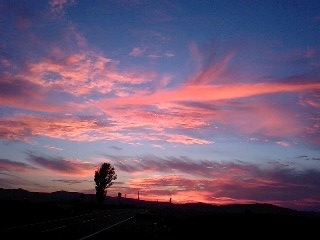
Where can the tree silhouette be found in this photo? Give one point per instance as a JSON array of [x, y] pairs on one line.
[[103, 178]]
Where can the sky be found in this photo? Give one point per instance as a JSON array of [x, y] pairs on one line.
[[195, 101]]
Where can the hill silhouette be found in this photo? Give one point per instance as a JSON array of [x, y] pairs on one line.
[[19, 207]]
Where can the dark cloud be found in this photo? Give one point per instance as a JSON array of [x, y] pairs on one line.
[[14, 130], [169, 164], [116, 148], [274, 183], [60, 164], [15, 88], [71, 181], [13, 166]]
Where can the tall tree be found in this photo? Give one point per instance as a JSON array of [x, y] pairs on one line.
[[103, 178]]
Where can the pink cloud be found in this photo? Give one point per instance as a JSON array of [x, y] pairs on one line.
[[311, 99], [81, 74], [53, 148], [58, 6], [25, 127], [69, 167], [154, 56], [169, 54], [129, 103], [13, 166], [205, 93], [137, 51], [173, 109], [158, 146], [263, 118], [283, 144], [211, 73], [175, 138], [18, 93], [184, 180]]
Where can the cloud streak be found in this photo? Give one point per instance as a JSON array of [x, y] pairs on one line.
[[61, 165], [233, 181]]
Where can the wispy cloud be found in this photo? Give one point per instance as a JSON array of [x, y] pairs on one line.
[[53, 148], [137, 51], [62, 165], [58, 6], [182, 179], [199, 103], [8, 166], [71, 181]]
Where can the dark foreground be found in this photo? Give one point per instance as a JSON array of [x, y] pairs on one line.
[[61, 220], [206, 223]]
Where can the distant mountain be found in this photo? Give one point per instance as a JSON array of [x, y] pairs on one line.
[[21, 194], [69, 197]]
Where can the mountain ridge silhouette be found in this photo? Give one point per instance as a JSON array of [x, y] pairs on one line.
[[76, 197]]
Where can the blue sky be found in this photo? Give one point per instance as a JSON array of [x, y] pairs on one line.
[[197, 101]]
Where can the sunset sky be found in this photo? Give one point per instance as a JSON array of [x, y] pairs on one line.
[[197, 101]]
